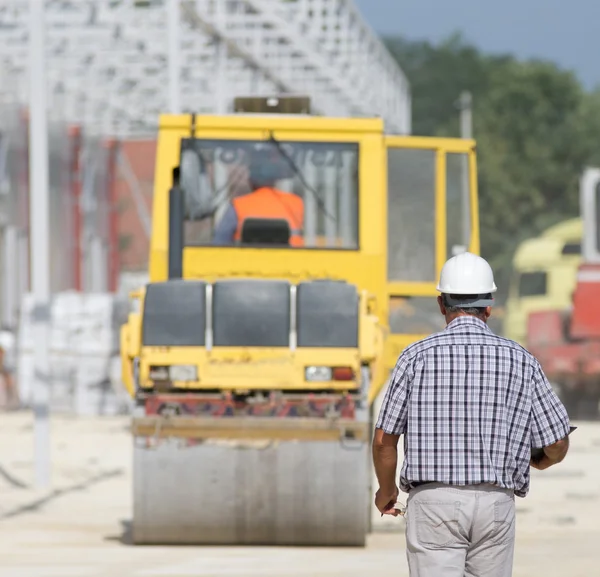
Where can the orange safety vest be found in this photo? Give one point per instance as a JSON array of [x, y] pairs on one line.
[[271, 203]]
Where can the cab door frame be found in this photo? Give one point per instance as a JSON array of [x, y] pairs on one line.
[[395, 343]]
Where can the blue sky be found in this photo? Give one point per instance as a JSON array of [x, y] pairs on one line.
[[565, 31]]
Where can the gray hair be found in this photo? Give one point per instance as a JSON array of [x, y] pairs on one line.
[[460, 303]]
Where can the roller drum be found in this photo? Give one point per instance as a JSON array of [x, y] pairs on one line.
[[260, 493]]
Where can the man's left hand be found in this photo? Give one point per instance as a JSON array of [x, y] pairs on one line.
[[385, 502], [541, 464]]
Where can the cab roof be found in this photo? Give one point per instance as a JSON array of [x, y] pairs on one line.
[[272, 121], [568, 230], [547, 249], [542, 251]]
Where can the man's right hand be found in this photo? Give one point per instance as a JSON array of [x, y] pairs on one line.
[[385, 502]]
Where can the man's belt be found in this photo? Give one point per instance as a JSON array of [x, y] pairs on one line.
[[416, 484]]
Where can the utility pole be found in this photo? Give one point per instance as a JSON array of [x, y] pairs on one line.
[[39, 215], [174, 62], [220, 61], [465, 104]]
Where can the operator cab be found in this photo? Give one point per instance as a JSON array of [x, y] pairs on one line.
[[267, 192], [274, 196]]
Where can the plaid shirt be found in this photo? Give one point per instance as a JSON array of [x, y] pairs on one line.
[[470, 405]]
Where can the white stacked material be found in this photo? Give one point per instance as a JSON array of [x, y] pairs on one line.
[[130, 281], [8, 343], [84, 349], [123, 401]]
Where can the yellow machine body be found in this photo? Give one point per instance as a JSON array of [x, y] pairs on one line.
[[408, 296], [544, 276]]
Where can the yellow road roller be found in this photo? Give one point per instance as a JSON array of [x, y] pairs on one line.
[[292, 259]]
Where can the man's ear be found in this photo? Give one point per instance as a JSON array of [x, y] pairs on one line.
[[440, 301], [488, 312]]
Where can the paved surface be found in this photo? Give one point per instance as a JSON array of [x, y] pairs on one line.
[[79, 527]]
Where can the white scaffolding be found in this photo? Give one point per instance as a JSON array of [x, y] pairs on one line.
[[107, 60]]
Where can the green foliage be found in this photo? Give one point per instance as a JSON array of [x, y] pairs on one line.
[[535, 128], [438, 74]]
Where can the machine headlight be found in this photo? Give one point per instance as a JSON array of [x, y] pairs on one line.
[[159, 373], [183, 373], [318, 374]]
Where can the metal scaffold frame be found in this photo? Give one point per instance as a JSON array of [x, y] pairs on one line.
[[107, 63], [80, 79]]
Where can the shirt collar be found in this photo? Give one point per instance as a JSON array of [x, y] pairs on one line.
[[467, 321]]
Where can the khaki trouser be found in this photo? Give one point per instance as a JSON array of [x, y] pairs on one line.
[[456, 531]]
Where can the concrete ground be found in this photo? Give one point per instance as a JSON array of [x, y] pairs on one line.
[[79, 528]]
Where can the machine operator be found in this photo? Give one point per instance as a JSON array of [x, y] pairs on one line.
[[264, 202]]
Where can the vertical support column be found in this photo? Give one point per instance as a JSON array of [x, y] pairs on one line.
[[23, 208], [87, 174], [40, 239], [113, 218], [173, 20], [75, 186], [220, 61], [221, 176], [440, 212], [220, 76], [474, 243], [331, 186], [23, 255], [11, 276], [255, 82], [466, 131], [310, 203], [589, 184], [98, 259], [347, 194]]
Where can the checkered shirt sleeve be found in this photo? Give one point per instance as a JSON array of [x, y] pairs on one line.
[[549, 418], [393, 415]]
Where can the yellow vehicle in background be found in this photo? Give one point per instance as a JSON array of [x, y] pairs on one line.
[[544, 276], [255, 365]]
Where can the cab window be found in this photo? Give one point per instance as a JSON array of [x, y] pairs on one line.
[[533, 284], [270, 193], [571, 248]]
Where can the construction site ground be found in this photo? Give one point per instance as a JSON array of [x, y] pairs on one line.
[[80, 527]]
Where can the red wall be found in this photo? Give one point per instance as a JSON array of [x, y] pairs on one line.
[[141, 155]]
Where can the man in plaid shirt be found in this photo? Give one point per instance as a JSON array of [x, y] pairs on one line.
[[471, 405]]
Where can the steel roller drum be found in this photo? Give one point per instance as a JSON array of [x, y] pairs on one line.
[[253, 493]]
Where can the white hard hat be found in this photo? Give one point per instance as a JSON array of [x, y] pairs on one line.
[[467, 274]]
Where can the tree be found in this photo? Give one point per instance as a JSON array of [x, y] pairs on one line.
[[531, 154], [589, 126], [438, 74]]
